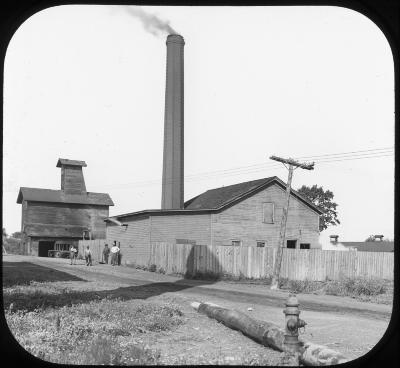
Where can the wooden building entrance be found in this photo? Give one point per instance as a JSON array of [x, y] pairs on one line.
[[44, 247]]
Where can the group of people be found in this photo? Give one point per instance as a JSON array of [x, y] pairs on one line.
[[115, 254]]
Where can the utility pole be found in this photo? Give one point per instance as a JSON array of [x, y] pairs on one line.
[[278, 260]]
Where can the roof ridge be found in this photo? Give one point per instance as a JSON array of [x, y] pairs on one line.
[[244, 182], [58, 195]]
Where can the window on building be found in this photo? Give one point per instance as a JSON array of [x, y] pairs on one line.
[[268, 212], [291, 244], [304, 246], [260, 244], [236, 243], [185, 241]]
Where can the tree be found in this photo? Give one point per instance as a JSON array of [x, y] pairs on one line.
[[12, 243], [17, 235], [372, 238], [323, 199]]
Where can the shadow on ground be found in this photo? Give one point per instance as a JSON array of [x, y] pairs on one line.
[[22, 273]]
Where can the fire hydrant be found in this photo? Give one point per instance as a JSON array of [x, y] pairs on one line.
[[292, 324]]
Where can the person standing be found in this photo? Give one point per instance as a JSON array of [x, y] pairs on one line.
[[73, 253], [119, 254], [88, 256], [114, 254], [106, 253]]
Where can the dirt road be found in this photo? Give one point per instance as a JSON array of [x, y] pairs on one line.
[[344, 324]]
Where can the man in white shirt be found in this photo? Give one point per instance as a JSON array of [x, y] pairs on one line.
[[114, 254], [88, 256], [73, 253]]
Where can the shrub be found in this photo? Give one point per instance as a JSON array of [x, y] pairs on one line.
[[356, 287], [300, 286], [152, 268], [361, 286]]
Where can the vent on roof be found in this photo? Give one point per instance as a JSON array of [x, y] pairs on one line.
[[72, 181]]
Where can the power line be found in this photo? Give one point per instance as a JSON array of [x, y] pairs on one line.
[[264, 167], [348, 153], [354, 158]]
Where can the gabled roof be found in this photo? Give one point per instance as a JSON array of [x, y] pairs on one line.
[[58, 196], [371, 246], [218, 199], [65, 161], [223, 197]]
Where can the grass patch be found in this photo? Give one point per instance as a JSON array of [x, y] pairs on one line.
[[23, 273], [364, 289], [98, 332]]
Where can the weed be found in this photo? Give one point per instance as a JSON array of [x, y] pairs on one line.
[[92, 333], [357, 287], [207, 275]]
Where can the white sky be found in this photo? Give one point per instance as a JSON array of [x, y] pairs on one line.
[[88, 82]]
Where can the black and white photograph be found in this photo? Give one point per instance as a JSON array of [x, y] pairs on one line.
[[198, 185]]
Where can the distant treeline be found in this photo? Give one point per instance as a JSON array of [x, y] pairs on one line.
[[12, 243]]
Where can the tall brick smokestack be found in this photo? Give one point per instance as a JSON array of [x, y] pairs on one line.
[[172, 181]]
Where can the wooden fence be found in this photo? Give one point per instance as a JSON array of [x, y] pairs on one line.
[[96, 247], [253, 262]]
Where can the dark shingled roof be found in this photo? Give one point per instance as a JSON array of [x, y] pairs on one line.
[[215, 200], [64, 161], [48, 230], [58, 196], [224, 196], [374, 246]]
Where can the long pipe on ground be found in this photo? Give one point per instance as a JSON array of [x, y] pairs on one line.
[[269, 334]]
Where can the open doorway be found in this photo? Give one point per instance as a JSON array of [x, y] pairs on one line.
[[44, 247]]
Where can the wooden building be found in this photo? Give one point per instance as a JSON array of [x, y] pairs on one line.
[[245, 214], [54, 219]]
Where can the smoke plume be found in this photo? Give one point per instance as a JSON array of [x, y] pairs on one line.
[[151, 22]]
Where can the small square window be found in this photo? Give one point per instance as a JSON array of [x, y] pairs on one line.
[[260, 244], [304, 246], [291, 244], [268, 212], [236, 243]]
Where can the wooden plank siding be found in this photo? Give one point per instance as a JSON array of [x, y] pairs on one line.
[[253, 262], [66, 214], [172, 227], [244, 221], [134, 240], [72, 180]]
